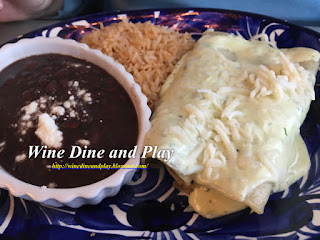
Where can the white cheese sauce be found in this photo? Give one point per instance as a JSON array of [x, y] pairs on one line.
[[231, 110]]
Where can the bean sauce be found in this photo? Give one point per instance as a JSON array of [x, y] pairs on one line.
[[97, 113]]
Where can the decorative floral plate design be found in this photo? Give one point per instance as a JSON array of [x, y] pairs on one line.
[[150, 207]]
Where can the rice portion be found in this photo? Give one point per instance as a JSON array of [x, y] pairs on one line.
[[149, 52]]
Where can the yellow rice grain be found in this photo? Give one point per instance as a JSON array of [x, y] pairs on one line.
[[149, 52]]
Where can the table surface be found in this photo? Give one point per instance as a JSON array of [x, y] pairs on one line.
[[14, 29]]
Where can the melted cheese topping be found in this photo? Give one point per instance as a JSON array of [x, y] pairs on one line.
[[231, 110], [211, 203]]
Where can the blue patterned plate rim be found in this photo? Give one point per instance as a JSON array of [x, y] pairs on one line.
[[171, 11]]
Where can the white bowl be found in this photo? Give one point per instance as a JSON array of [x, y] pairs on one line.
[[110, 186]]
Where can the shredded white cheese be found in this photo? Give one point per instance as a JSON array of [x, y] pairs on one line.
[[48, 132], [30, 108], [87, 97], [83, 142], [21, 157], [2, 145], [58, 110], [52, 185]]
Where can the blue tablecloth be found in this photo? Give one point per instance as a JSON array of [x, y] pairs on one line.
[[306, 12]]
